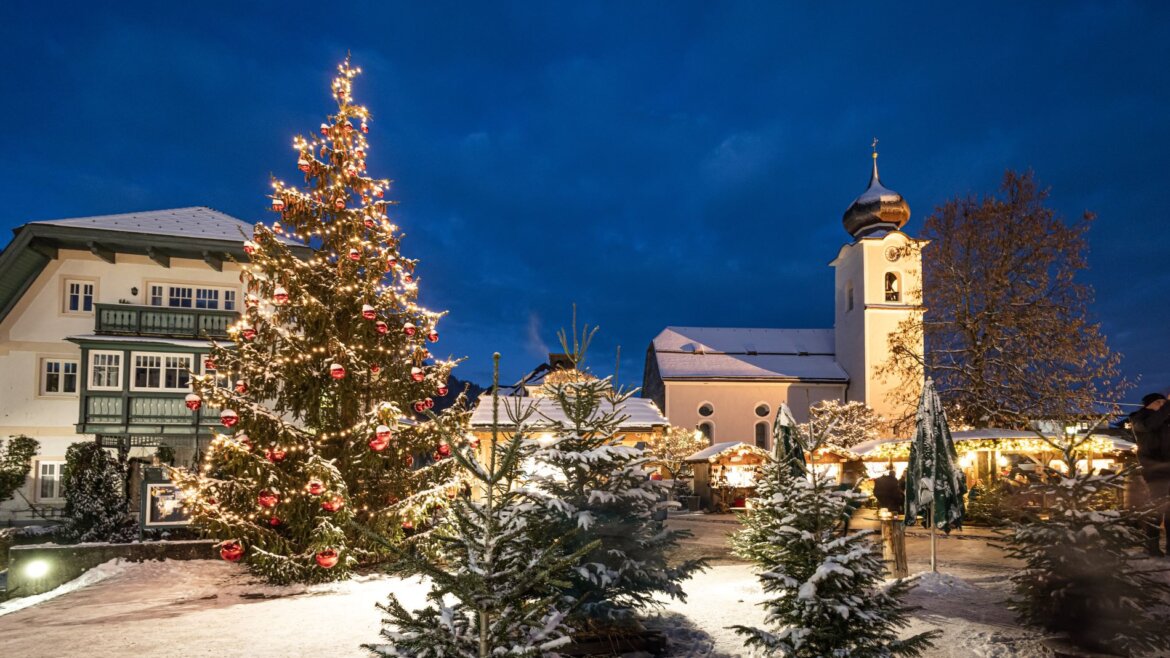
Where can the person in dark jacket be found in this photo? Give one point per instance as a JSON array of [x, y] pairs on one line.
[[889, 493], [1151, 427]]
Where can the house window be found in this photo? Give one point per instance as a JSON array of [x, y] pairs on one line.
[[179, 297], [206, 298], [161, 372], [105, 371], [48, 484], [706, 409], [78, 296], [229, 300], [707, 428], [58, 376], [893, 287], [156, 295], [762, 435]]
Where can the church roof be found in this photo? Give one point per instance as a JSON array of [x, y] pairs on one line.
[[878, 208], [753, 354], [640, 413]]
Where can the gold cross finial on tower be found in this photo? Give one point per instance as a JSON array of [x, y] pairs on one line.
[[874, 145]]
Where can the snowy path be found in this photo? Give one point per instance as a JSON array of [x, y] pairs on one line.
[[211, 608]]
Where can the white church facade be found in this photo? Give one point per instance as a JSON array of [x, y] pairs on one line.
[[728, 382]]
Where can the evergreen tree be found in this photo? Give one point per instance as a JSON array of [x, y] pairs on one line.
[[827, 596], [95, 503], [591, 482], [494, 584], [15, 462], [329, 358], [1085, 574]]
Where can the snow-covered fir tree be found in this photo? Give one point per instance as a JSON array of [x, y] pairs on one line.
[[323, 390], [95, 498], [1085, 574], [594, 483], [494, 582], [826, 591]]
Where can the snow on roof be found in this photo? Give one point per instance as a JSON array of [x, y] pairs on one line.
[[148, 340], [193, 222], [987, 434], [720, 448], [742, 353], [641, 413]]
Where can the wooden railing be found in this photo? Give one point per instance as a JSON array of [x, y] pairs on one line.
[[126, 319], [128, 410]]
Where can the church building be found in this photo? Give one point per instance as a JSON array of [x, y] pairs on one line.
[[728, 382]]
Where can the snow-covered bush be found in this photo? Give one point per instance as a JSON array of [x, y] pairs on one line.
[[15, 461], [95, 498], [826, 592], [1084, 573]]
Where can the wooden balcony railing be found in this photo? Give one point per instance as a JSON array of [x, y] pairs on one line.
[[129, 320], [115, 411]]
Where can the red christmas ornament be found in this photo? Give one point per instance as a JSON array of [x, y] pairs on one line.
[[337, 371], [369, 312], [241, 386], [378, 192], [382, 433], [267, 499], [304, 163], [359, 154], [243, 440], [409, 329], [251, 301], [332, 504], [444, 450], [348, 127], [442, 391], [407, 525], [231, 550], [277, 228], [274, 521], [417, 374], [248, 332], [377, 444], [250, 247], [406, 278], [391, 263], [275, 455], [375, 369], [325, 129], [368, 221], [433, 336], [655, 476], [193, 401], [365, 128], [277, 204], [327, 559], [409, 461], [429, 403], [354, 254], [315, 487], [209, 364], [280, 296], [420, 407], [473, 441], [339, 203], [229, 418], [382, 327]]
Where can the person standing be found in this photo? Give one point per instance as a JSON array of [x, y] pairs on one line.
[[1151, 427], [888, 492]]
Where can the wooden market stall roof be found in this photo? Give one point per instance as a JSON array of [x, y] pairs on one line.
[[991, 439], [713, 451]]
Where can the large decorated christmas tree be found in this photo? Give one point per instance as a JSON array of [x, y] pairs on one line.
[[322, 392]]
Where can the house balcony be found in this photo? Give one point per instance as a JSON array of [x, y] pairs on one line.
[[161, 321], [143, 414]]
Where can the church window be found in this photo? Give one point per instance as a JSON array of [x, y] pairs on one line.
[[762, 435], [707, 428], [706, 409], [893, 287], [762, 409]]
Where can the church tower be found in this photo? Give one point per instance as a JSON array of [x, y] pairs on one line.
[[878, 286]]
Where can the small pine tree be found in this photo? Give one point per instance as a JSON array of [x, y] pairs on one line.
[[95, 504], [1085, 575], [15, 462], [827, 595], [503, 581], [593, 483]]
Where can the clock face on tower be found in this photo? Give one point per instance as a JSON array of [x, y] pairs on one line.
[[892, 253]]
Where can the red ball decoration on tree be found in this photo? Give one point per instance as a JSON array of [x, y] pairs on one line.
[[243, 440], [277, 228], [655, 476], [248, 332], [193, 401], [444, 450], [375, 369], [304, 163], [274, 521], [420, 406], [406, 278], [208, 364], [409, 461], [332, 504], [229, 418], [241, 386], [433, 336], [275, 455], [327, 559], [442, 391], [382, 327], [365, 128], [267, 498], [378, 192], [250, 247], [407, 525], [409, 329], [280, 296], [368, 221], [355, 255], [325, 129], [369, 312], [391, 263], [337, 371], [278, 204], [315, 487], [378, 444], [231, 550], [348, 127], [417, 374], [429, 403], [339, 203], [251, 301]]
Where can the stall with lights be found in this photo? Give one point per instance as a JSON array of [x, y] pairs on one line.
[[725, 474]]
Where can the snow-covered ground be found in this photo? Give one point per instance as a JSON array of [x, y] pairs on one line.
[[206, 608]]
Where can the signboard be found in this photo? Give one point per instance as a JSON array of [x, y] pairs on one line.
[[162, 504]]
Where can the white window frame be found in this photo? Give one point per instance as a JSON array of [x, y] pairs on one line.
[[119, 368], [62, 361], [161, 291], [38, 480], [162, 368], [66, 285]]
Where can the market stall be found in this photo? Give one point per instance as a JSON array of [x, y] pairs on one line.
[[725, 474]]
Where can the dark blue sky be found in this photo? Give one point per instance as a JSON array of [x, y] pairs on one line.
[[656, 163]]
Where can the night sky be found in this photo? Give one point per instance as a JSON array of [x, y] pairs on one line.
[[656, 163]]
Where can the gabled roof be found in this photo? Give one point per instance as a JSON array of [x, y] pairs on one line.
[[641, 413], [193, 222], [753, 354], [717, 449]]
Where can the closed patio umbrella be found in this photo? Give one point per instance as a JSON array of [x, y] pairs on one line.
[[934, 481], [787, 445]]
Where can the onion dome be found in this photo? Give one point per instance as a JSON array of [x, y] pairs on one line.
[[876, 209]]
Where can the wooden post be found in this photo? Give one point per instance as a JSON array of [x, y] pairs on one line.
[[894, 545]]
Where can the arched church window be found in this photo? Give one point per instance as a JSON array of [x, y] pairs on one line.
[[762, 435], [893, 287], [707, 428], [706, 409]]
